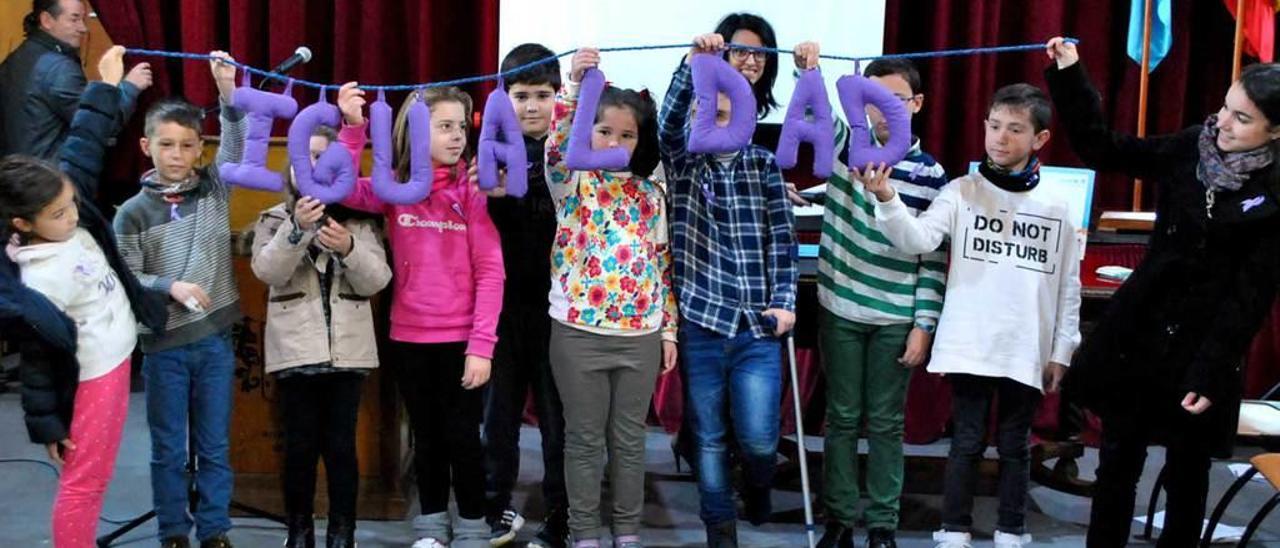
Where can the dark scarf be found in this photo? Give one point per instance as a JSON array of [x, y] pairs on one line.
[[173, 193], [1223, 171], [1021, 181]]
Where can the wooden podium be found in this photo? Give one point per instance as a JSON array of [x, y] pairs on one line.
[[257, 444]]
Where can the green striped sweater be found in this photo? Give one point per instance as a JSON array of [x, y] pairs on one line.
[[861, 276]]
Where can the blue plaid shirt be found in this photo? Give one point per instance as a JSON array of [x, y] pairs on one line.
[[732, 229]]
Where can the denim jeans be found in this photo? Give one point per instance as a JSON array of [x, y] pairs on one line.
[[743, 375], [1016, 406], [191, 385]]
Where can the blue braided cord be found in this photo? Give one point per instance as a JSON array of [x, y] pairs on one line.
[[545, 60]]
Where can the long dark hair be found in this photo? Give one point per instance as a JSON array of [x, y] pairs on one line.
[[645, 158], [27, 185], [763, 88], [1261, 83]]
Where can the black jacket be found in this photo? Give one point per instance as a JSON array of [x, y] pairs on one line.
[[1186, 316], [42, 82], [527, 226], [47, 337]]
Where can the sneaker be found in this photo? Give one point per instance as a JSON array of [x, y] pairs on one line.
[[175, 542], [627, 541], [1005, 540], [428, 542], [505, 526], [554, 533], [220, 541], [951, 539], [836, 536], [881, 538]]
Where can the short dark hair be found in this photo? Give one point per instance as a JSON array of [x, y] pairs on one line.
[[27, 185], [646, 156], [31, 22], [1027, 97], [176, 110], [763, 88], [546, 73], [896, 65], [325, 131]]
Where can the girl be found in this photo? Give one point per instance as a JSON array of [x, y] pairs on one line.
[[444, 311], [758, 67], [79, 304], [1175, 333], [322, 263], [612, 301]]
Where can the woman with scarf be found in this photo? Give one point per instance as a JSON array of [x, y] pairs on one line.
[[1162, 366]]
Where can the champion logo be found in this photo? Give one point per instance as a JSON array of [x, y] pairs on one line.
[[409, 220], [1251, 203]]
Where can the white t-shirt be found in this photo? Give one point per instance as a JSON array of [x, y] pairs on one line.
[[76, 277], [1013, 287]]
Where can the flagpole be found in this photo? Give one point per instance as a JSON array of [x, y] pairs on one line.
[[1143, 91], [1239, 49]]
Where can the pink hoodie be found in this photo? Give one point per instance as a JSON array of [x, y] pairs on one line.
[[447, 258]]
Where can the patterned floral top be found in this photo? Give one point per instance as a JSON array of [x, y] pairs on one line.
[[611, 260]]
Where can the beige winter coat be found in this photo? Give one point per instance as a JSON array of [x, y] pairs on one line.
[[296, 333]]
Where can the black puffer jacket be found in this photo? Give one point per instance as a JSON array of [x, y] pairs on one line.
[[47, 337], [42, 82], [1185, 317]]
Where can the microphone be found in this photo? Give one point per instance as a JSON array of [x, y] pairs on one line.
[[300, 56]]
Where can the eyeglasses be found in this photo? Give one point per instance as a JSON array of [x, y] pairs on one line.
[[739, 54]]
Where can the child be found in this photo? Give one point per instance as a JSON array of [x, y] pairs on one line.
[[77, 302], [520, 360], [444, 312], [175, 236], [612, 301], [735, 275], [1013, 302], [880, 309], [322, 263]]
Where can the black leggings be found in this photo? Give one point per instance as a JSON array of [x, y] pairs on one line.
[[318, 413], [446, 425]]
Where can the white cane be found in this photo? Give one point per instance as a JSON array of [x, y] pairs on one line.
[[804, 461]]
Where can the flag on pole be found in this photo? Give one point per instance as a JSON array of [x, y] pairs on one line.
[[1161, 30], [1259, 27]]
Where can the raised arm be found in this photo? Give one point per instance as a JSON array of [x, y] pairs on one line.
[[1079, 106]]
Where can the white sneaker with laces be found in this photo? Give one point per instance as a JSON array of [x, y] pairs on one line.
[[952, 539], [428, 542], [1005, 540]]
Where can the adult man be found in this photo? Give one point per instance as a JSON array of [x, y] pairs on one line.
[[42, 80]]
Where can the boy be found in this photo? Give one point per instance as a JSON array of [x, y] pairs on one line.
[[520, 360], [880, 307], [175, 237], [1013, 302], [735, 279]]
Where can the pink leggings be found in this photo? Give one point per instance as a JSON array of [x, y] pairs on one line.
[[96, 427]]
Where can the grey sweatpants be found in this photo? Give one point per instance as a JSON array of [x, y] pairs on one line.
[[606, 383]]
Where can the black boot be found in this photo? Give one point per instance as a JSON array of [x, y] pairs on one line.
[[341, 533], [722, 535], [837, 536], [302, 531], [757, 504], [881, 538]]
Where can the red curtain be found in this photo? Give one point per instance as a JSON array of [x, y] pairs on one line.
[[1188, 85], [373, 41]]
